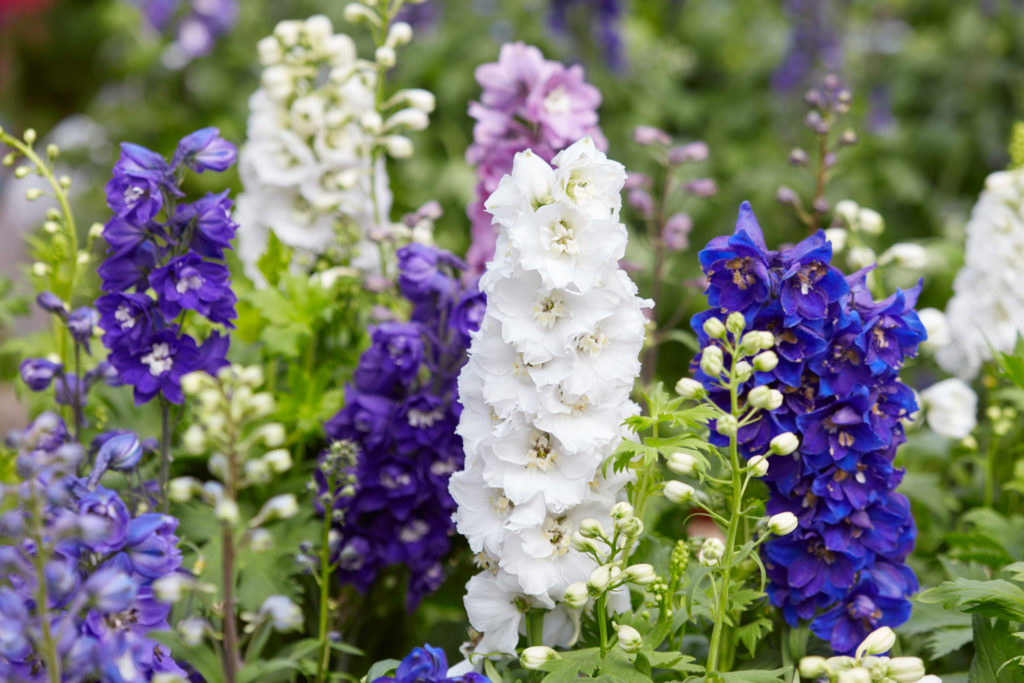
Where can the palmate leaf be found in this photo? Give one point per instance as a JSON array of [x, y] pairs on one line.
[[995, 648], [1011, 365], [943, 641], [753, 633], [996, 598], [570, 665]]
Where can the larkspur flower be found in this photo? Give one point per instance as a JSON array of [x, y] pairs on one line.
[[527, 103], [600, 18], [839, 354], [428, 664], [400, 414], [546, 388]]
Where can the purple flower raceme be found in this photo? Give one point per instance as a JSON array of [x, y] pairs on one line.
[[196, 23], [159, 243], [599, 18], [814, 42], [400, 416], [99, 561], [839, 355], [527, 102], [428, 664]]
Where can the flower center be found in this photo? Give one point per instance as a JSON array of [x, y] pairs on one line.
[[158, 359], [548, 310], [557, 101], [540, 456], [563, 238], [133, 193], [124, 317], [559, 535], [413, 531], [189, 283], [501, 504], [591, 343]]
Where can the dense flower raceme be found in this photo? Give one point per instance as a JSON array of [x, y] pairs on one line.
[[527, 102], [546, 389], [162, 246], [428, 665], [400, 413], [99, 565], [839, 353], [313, 165], [987, 308], [602, 18], [196, 23]]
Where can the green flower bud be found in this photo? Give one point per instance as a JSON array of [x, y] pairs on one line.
[[677, 491], [812, 667], [735, 323], [629, 639], [727, 425], [575, 595], [906, 669], [877, 642], [714, 328], [682, 463], [783, 523], [533, 657], [765, 361], [711, 361], [784, 443], [689, 388]]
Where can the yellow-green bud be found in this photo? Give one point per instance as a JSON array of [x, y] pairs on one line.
[[575, 595], [905, 669], [682, 463], [784, 443], [765, 361], [591, 528], [33, 193], [712, 361], [735, 323], [877, 642], [533, 657], [689, 388], [30, 136], [714, 328], [52, 151], [758, 465], [858, 675], [640, 574], [677, 491], [629, 639], [599, 580], [783, 523], [812, 667], [727, 425], [21, 171], [622, 510], [9, 159]]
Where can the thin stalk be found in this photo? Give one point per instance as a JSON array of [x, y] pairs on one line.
[[49, 649], [165, 453], [535, 627], [325, 586], [990, 473], [228, 623], [77, 392], [601, 613]]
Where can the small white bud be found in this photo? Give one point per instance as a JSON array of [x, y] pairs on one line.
[[711, 361], [622, 510], [629, 639], [33, 193], [278, 507], [857, 675], [677, 491], [194, 440], [870, 221], [288, 31], [784, 443], [727, 425], [283, 614], [735, 323], [689, 388], [95, 230], [591, 528], [582, 543], [261, 540], [533, 657], [30, 136], [257, 472], [764, 397], [385, 56], [765, 361], [714, 328], [711, 551], [398, 146], [218, 466], [399, 34], [355, 12], [860, 257], [812, 667], [418, 98], [278, 460], [51, 227], [226, 510], [181, 489], [251, 375], [575, 595], [682, 463], [271, 434], [758, 465], [640, 574], [846, 210], [878, 642], [192, 630], [170, 588], [408, 118], [837, 236], [905, 669], [261, 404], [599, 580], [783, 523], [269, 50], [40, 269], [905, 255], [743, 371], [193, 382], [318, 29]]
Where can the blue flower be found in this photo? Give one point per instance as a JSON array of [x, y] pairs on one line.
[[157, 365], [737, 266], [38, 373], [205, 150], [428, 664], [187, 281]]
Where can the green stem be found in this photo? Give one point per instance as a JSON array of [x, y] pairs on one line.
[[990, 473], [228, 623], [601, 613], [325, 585], [165, 452], [49, 645], [535, 627]]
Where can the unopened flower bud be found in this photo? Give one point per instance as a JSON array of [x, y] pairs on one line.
[[629, 639], [783, 523], [271, 434], [278, 460], [711, 552], [764, 397], [575, 595], [846, 211], [682, 463], [257, 472], [787, 196], [194, 440], [533, 657], [181, 489], [640, 574], [599, 580], [261, 404], [855, 675], [784, 443], [591, 528], [33, 193], [694, 151], [649, 135], [226, 510], [905, 669], [758, 465], [689, 388], [878, 642], [727, 425], [711, 361], [677, 491], [398, 146], [798, 157], [735, 323], [702, 187], [765, 361], [170, 588], [399, 34], [278, 507], [582, 543], [385, 56], [622, 510], [714, 328], [282, 613], [870, 221], [30, 136], [743, 371], [260, 540], [812, 667]]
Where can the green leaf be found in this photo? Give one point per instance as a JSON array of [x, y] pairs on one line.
[[275, 260], [262, 667], [571, 664], [675, 661], [492, 672], [758, 675], [751, 634], [382, 668], [201, 657], [617, 666], [996, 598], [993, 647], [943, 641]]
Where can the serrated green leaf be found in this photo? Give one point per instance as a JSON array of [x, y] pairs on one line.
[[382, 668], [201, 657], [943, 641], [275, 260], [751, 634], [993, 647], [571, 664], [758, 675], [996, 598], [676, 661], [618, 667]]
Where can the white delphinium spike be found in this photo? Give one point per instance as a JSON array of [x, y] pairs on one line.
[[546, 390]]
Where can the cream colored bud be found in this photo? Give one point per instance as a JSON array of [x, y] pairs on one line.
[[743, 371], [40, 269], [758, 465], [640, 574], [765, 361], [65, 181], [629, 639], [95, 230], [261, 404], [21, 171], [599, 580], [398, 146], [218, 466], [591, 528], [870, 221], [856, 675], [784, 443], [271, 434], [878, 642], [51, 227], [278, 460], [812, 667], [711, 552], [783, 523], [252, 375], [288, 31], [682, 463], [194, 440], [622, 510], [846, 210], [270, 51], [677, 491], [575, 595], [712, 361], [419, 98], [33, 193], [860, 257], [318, 28], [905, 669], [764, 397], [837, 236], [399, 34], [260, 540], [689, 388], [735, 323], [170, 588], [181, 489], [226, 511], [355, 12], [385, 56], [82, 258], [30, 136], [193, 382], [582, 543], [257, 471], [408, 118], [727, 425], [714, 328], [535, 656]]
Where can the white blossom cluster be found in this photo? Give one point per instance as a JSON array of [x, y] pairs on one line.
[[987, 307], [546, 389], [313, 162], [868, 664]]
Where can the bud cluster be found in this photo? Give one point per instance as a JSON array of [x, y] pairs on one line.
[[867, 665]]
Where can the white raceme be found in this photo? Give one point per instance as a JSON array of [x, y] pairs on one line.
[[951, 408], [545, 391], [987, 307]]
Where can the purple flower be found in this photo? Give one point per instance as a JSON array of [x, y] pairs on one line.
[[469, 313], [189, 282], [428, 664], [81, 323], [125, 318], [111, 590], [157, 365], [737, 266], [135, 193], [419, 274], [205, 150], [676, 233], [151, 545], [213, 227], [127, 267], [38, 373], [105, 507], [51, 303]]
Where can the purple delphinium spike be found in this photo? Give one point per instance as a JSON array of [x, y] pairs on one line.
[[159, 243], [527, 102], [839, 352], [599, 18], [400, 416]]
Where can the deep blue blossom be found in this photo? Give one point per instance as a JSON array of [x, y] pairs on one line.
[[839, 357], [428, 664], [165, 261], [400, 416]]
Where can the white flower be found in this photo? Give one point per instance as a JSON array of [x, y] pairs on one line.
[[495, 605], [906, 255], [283, 614], [937, 326], [951, 408]]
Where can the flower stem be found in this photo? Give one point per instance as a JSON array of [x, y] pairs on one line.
[[78, 409], [49, 646], [535, 627], [230, 628], [165, 452], [601, 613], [325, 585]]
